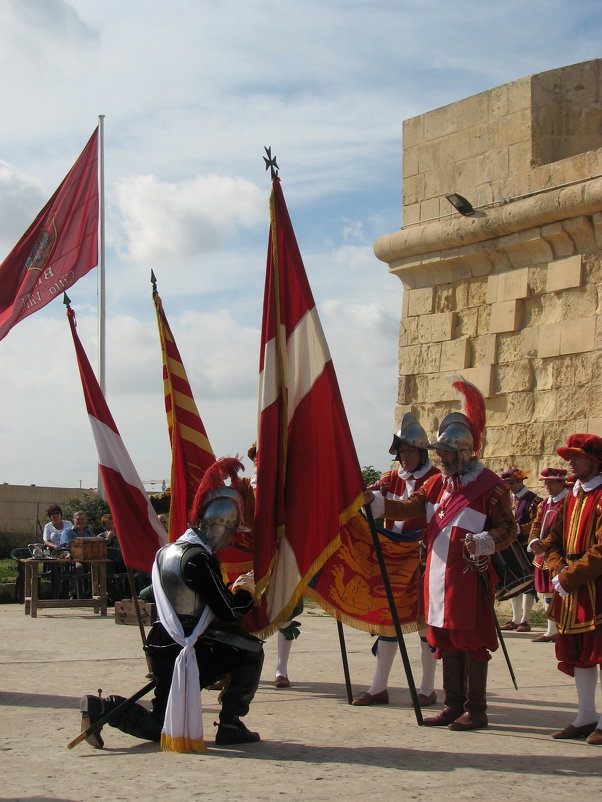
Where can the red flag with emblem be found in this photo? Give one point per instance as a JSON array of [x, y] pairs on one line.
[[309, 482], [59, 247], [139, 530]]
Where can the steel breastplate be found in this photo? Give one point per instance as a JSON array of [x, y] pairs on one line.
[[171, 560]]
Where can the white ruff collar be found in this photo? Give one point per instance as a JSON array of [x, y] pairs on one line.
[[464, 479], [405, 475], [588, 486]]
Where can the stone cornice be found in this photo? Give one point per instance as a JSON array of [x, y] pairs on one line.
[[464, 238]]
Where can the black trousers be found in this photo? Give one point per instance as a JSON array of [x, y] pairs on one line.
[[215, 661]]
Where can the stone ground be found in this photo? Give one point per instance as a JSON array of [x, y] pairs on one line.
[[315, 746]]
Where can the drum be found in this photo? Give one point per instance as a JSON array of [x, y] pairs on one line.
[[514, 570]]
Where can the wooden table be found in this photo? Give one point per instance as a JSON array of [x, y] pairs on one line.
[[99, 587]]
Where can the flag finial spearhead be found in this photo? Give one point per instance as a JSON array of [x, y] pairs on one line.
[[270, 162], [66, 300], [154, 282]]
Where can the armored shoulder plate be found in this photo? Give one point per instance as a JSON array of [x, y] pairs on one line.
[[171, 560]]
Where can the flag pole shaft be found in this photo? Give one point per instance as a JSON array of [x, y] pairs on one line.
[[133, 591], [498, 628], [399, 634], [101, 271], [345, 662]]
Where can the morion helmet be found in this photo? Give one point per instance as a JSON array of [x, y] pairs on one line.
[[411, 433], [217, 510], [463, 431]]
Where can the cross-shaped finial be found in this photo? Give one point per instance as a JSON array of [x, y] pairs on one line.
[[271, 162]]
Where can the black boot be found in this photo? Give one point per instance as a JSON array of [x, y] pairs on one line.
[[475, 717], [232, 731], [454, 685], [134, 720], [92, 708]]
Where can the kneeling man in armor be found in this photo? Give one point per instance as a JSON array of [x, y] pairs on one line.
[[197, 613]]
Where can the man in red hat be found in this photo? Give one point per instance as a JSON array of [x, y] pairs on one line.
[[524, 503], [555, 481], [573, 552]]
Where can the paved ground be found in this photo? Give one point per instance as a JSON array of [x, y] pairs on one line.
[[315, 746]]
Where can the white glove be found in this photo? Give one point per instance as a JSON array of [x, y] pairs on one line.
[[378, 505], [244, 582], [484, 544], [558, 587]]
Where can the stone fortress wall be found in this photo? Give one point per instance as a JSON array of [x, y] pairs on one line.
[[510, 297]]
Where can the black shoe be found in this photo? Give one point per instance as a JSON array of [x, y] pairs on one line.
[[234, 732], [92, 708]]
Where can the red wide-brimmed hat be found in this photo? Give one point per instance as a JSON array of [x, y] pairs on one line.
[[553, 473], [588, 445], [514, 473]]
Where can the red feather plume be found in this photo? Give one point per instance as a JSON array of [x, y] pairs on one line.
[[473, 407], [214, 477]]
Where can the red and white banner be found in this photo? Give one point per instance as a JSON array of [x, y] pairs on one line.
[[139, 530], [59, 247], [309, 482]]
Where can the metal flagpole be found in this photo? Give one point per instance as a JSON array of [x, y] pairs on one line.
[[396, 624], [101, 272]]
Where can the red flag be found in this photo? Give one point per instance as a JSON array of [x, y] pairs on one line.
[[58, 248], [191, 452], [309, 482], [138, 527]]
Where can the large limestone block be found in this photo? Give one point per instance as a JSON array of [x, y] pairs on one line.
[[421, 301], [578, 335], [564, 273], [455, 355], [548, 341], [436, 327], [505, 316]]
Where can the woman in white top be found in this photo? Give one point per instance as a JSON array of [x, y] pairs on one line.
[[54, 528]]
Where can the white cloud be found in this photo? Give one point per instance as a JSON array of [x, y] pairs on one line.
[[184, 218]]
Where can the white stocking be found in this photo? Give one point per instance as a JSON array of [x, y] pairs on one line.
[[429, 665], [284, 650], [528, 602], [551, 630], [517, 606], [586, 680], [385, 655]]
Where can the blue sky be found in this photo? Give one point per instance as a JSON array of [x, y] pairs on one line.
[[192, 91]]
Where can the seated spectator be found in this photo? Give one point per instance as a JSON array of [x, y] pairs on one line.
[[110, 533], [55, 527], [79, 529]]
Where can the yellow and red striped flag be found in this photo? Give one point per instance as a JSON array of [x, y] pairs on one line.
[[309, 482], [191, 452]]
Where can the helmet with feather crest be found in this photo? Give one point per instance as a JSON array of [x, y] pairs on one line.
[[462, 432], [217, 510]]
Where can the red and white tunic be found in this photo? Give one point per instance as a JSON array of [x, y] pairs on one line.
[[459, 616]]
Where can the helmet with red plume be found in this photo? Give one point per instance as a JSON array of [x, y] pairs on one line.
[[217, 510], [463, 431]]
